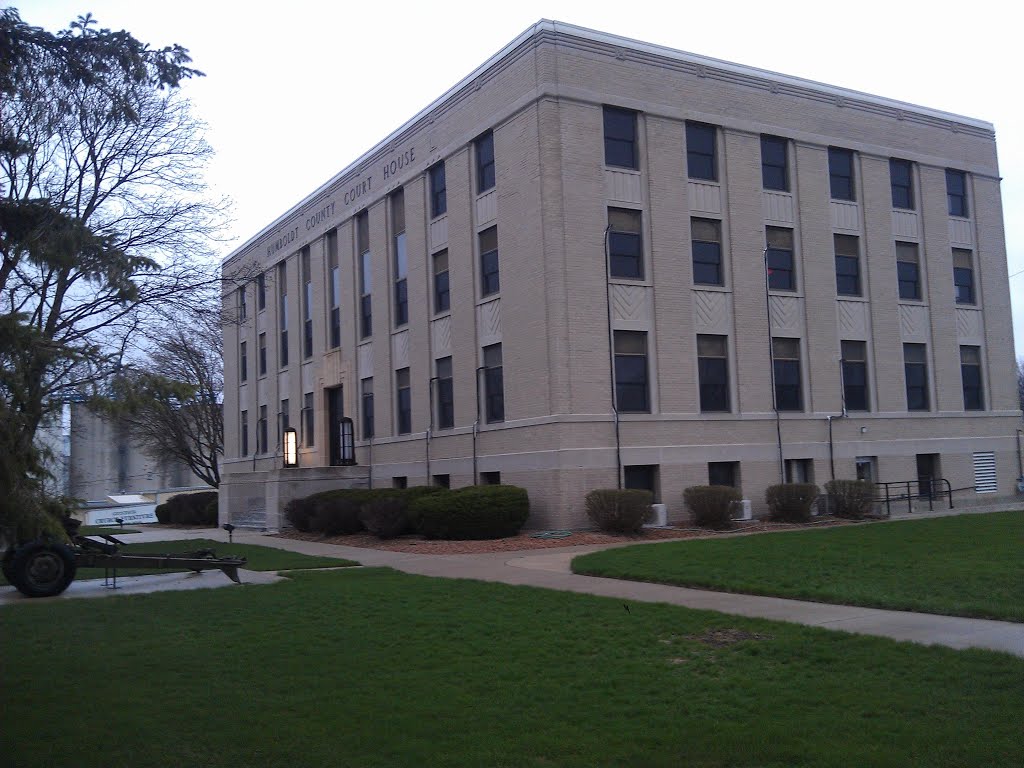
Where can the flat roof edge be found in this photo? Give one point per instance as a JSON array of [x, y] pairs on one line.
[[572, 30]]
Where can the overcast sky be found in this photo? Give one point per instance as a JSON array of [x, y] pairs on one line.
[[294, 92]]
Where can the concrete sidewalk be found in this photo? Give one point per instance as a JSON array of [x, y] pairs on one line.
[[550, 569]]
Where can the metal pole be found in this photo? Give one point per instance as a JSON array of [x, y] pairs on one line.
[[611, 358], [476, 424], [771, 365]]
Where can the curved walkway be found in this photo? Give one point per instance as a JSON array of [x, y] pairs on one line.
[[550, 569]]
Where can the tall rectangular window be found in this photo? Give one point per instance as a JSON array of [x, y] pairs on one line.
[[625, 243], [908, 271], [915, 368], [403, 401], [438, 191], [631, 388], [494, 384], [786, 365], [445, 394], [779, 259], [284, 417], [243, 429], [706, 245], [840, 174], [366, 402], [484, 162], [774, 168], [308, 431], [963, 276], [243, 362], [847, 265], [401, 265], [620, 148], [262, 352], [307, 305], [365, 275], [713, 372], [442, 295], [243, 308], [902, 184], [855, 375], [700, 152], [261, 291], [261, 431], [956, 192], [970, 374], [282, 312], [334, 289], [489, 277]]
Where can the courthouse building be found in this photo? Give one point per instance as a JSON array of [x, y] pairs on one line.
[[596, 260]]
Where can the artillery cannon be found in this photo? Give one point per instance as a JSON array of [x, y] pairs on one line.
[[45, 567]]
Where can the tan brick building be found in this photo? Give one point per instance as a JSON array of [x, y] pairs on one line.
[[584, 204]]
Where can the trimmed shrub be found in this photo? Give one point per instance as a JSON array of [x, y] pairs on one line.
[[189, 509], [850, 498], [163, 513], [619, 511], [210, 513], [791, 502], [711, 505], [475, 512], [386, 517], [387, 514], [299, 513], [335, 514]]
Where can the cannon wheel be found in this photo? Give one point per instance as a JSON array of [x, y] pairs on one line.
[[42, 569]]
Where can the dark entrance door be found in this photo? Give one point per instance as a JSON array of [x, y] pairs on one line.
[[927, 473], [335, 413]]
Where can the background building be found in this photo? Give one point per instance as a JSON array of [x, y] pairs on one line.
[[104, 461], [583, 205]]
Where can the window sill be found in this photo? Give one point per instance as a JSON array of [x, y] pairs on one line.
[[623, 169], [710, 182], [488, 298], [712, 287], [442, 314], [904, 210], [851, 297], [629, 281], [780, 292], [913, 302]]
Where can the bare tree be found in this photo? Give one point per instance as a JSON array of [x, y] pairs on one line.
[[171, 401], [104, 222], [1020, 382]]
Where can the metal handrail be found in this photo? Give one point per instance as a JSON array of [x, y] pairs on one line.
[[884, 495]]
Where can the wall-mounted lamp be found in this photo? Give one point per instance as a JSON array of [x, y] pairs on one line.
[[291, 447], [348, 442], [863, 430], [231, 530]]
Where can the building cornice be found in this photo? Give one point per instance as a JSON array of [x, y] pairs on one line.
[[623, 49]]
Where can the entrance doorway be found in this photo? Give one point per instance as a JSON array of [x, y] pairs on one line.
[[335, 413], [928, 471]]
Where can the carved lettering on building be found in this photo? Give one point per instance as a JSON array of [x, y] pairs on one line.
[[397, 164], [316, 219], [358, 190], [286, 239]]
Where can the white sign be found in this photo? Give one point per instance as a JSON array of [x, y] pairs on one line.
[[136, 513]]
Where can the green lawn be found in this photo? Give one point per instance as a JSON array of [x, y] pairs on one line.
[[374, 668], [260, 558], [967, 565]]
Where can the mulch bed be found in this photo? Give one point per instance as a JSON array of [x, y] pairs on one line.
[[524, 541]]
